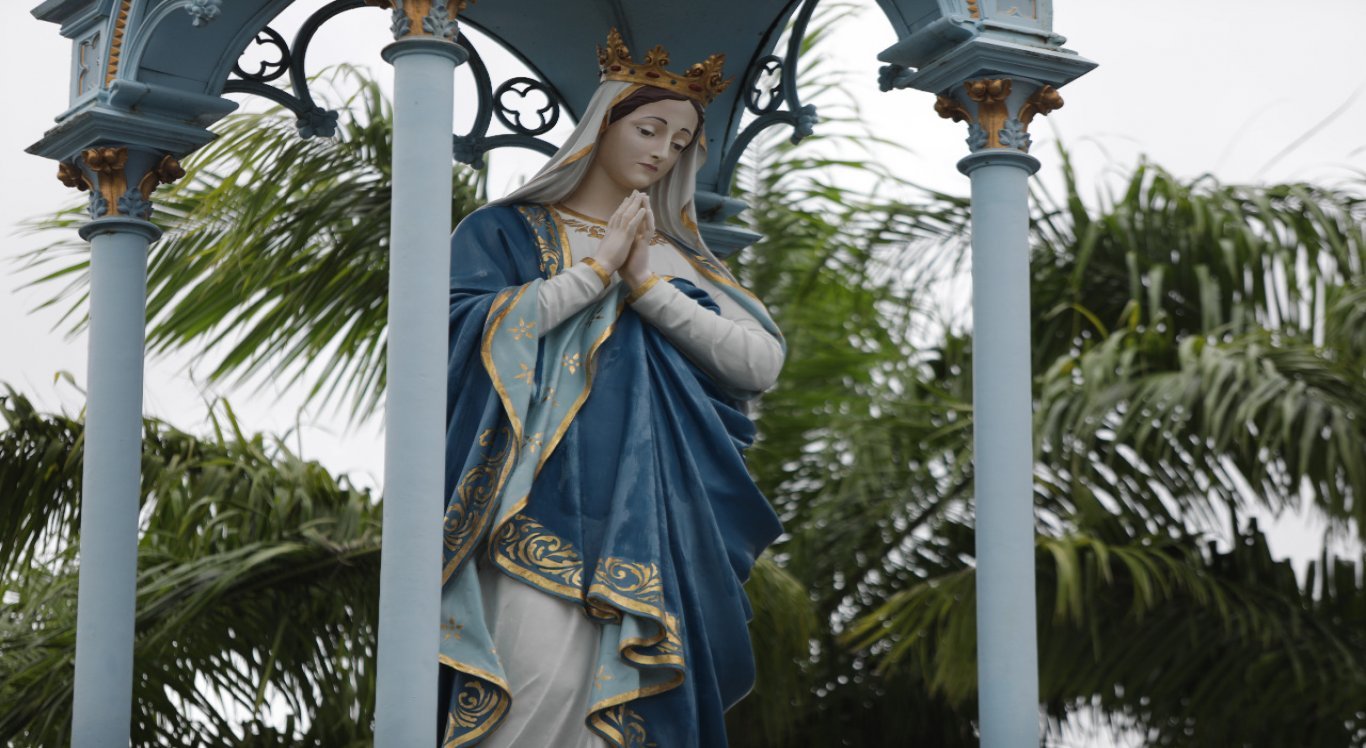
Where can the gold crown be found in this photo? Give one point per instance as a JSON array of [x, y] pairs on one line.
[[701, 82]]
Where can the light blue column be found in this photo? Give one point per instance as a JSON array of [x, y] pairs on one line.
[[1007, 649], [102, 708], [415, 405]]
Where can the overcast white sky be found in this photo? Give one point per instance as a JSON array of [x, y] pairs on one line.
[[1218, 86]]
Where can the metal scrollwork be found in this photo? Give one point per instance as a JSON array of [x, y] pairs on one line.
[[471, 147], [271, 69], [801, 117], [313, 120], [512, 117], [769, 67]]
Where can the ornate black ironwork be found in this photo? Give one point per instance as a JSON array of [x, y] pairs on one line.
[[802, 117], [766, 67], [313, 119], [512, 118], [269, 70], [471, 147]]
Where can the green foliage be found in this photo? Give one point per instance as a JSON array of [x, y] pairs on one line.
[[241, 541]]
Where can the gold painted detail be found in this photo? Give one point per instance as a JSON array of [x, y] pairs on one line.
[[948, 108], [534, 442], [638, 581], [572, 362], [991, 124], [467, 515], [601, 271], [527, 376], [523, 329], [116, 42], [551, 254], [1045, 101], [109, 164], [642, 289], [475, 702], [423, 17], [585, 224], [72, 176], [990, 95], [974, 8], [540, 556], [701, 82], [167, 171], [601, 677], [624, 726]]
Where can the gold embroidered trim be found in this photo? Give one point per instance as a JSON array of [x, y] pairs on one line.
[[624, 726], [552, 259], [502, 304], [642, 289], [466, 519], [603, 275], [477, 705], [583, 223]]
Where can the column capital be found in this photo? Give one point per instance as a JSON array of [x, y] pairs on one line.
[[998, 111], [120, 179], [423, 18]]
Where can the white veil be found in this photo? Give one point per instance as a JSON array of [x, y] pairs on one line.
[[671, 198]]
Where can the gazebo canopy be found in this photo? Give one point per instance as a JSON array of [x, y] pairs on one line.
[[167, 63]]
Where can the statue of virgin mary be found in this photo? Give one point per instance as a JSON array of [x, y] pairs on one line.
[[600, 520]]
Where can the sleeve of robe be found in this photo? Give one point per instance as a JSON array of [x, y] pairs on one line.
[[736, 352]]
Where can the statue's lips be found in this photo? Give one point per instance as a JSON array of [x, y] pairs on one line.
[[649, 166]]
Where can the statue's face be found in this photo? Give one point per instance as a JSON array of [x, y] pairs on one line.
[[640, 148]]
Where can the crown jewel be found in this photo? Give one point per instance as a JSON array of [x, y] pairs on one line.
[[700, 82]]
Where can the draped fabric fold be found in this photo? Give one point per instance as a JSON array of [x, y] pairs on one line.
[[599, 465]]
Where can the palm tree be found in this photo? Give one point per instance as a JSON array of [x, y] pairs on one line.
[[241, 541], [1199, 356]]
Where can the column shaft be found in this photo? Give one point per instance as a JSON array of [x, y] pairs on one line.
[[1007, 655], [102, 708], [415, 412]]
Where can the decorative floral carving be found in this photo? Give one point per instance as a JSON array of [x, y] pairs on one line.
[[72, 176], [977, 137], [893, 76], [435, 18], [204, 11], [806, 123], [1014, 135], [991, 124], [990, 95], [440, 21], [106, 177], [107, 165], [99, 206], [318, 122], [134, 205], [466, 150], [1043, 102], [947, 108]]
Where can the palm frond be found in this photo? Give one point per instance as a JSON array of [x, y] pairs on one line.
[[275, 259]]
